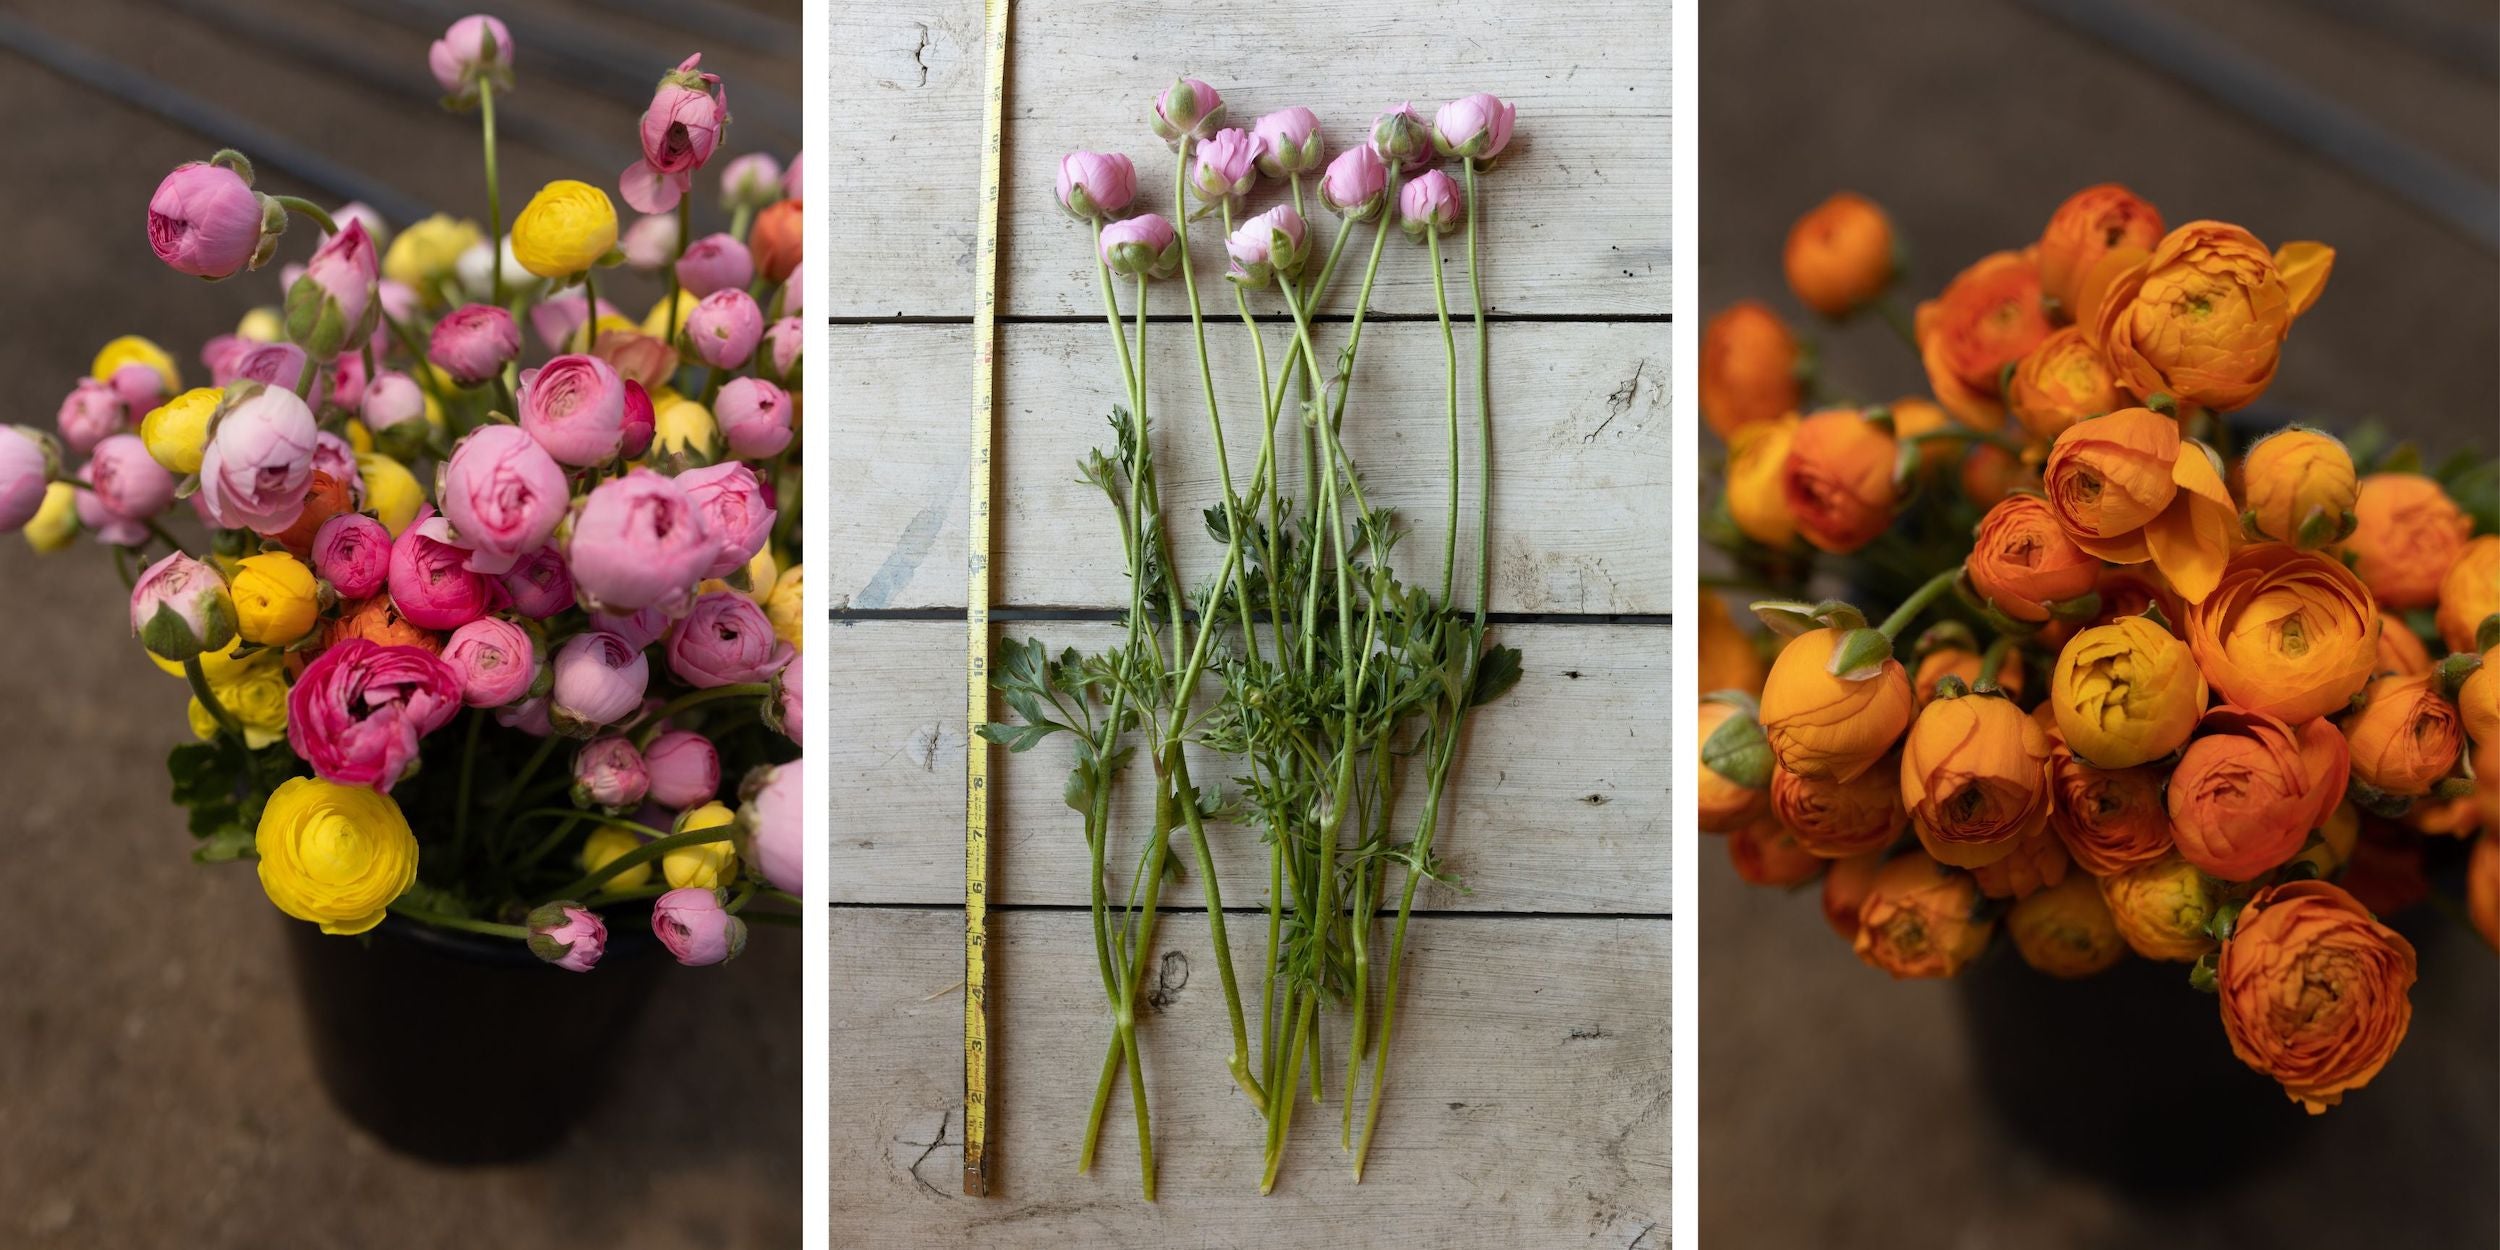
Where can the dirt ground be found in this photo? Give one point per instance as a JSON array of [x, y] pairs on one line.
[[1838, 1108], [154, 1085]]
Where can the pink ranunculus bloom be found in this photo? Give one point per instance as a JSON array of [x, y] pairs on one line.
[[259, 463], [139, 387], [639, 629], [360, 708], [1227, 166], [205, 220], [127, 480], [685, 769], [1095, 185], [651, 242], [530, 716], [1289, 142], [279, 366], [750, 181], [495, 659], [1403, 138], [352, 552], [640, 541], [1356, 184], [575, 407], [181, 607], [773, 810], [1144, 246], [754, 417], [794, 178], [680, 129], [1188, 107], [107, 526], [1432, 202], [784, 340], [599, 679], [696, 928], [725, 641], [609, 772], [735, 508], [558, 321], [794, 289], [504, 494], [222, 354], [474, 342], [359, 211], [25, 468], [339, 279], [347, 381], [90, 414], [1474, 128], [572, 938], [642, 420], [391, 399], [538, 584], [430, 578], [724, 328], [475, 47], [400, 301], [1274, 242], [715, 262], [790, 705], [337, 457]]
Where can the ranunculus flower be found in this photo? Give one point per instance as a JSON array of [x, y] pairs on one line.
[[1095, 185], [495, 659], [2128, 489], [772, 813], [680, 130], [431, 581], [1765, 854], [530, 716], [599, 680], [2035, 862], [641, 419], [89, 414], [784, 341], [1921, 919], [109, 527], [638, 629], [391, 399], [1187, 107], [1837, 480], [1845, 888], [2162, 908], [1725, 804], [609, 772], [504, 495], [575, 407], [1958, 661], [258, 466], [2300, 486], [754, 417], [1271, 243], [1748, 368], [2469, 592], [2090, 225], [778, 238], [724, 328], [2407, 532], [377, 620], [1729, 659], [276, 600], [2315, 991], [1430, 202], [333, 307], [2066, 930], [794, 176], [786, 711], [572, 938], [1144, 246], [2111, 819], [1988, 317], [2060, 382], [474, 342], [732, 503], [180, 608], [1975, 778], [2404, 737], [2249, 788], [127, 480], [1757, 464], [176, 431], [640, 540], [696, 928], [2022, 562], [25, 471], [359, 710], [558, 321], [1290, 143], [564, 230], [1475, 127], [1356, 186], [334, 854], [2125, 693], [139, 386], [2202, 318], [651, 241], [54, 526], [538, 584], [725, 641], [1839, 255], [1840, 819], [1403, 138], [715, 262], [279, 365], [205, 220], [352, 552], [474, 48], [1829, 727], [750, 181], [684, 769], [2287, 633]]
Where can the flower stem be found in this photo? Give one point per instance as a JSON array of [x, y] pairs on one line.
[[685, 702], [208, 699], [1449, 356], [1484, 416], [468, 773], [642, 854], [494, 189], [1918, 601], [685, 223], [297, 204], [464, 924], [590, 306]]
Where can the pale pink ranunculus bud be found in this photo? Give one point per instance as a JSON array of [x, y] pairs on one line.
[[259, 463], [127, 480], [569, 936], [734, 508], [139, 387], [754, 417], [359, 211], [1095, 185], [474, 342], [715, 262], [279, 366], [750, 181], [724, 328], [391, 398], [333, 306], [1144, 246], [538, 584], [26, 465], [1432, 202], [575, 407], [784, 340], [1403, 138], [90, 413], [205, 220], [1274, 242], [1289, 142], [696, 928], [530, 716], [598, 680], [504, 495], [1188, 108], [558, 321], [1226, 168], [639, 628], [772, 814], [680, 130], [352, 552], [684, 768], [1474, 128], [473, 48], [430, 580], [651, 242], [180, 608], [222, 354], [609, 772], [726, 641], [1356, 185], [400, 302], [640, 541], [495, 659]]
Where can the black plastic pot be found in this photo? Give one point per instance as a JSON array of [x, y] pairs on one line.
[[463, 1049]]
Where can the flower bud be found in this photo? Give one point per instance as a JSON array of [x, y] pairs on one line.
[[475, 49], [696, 928], [1430, 202], [88, 414], [1839, 255], [651, 242], [352, 552], [569, 936], [181, 609], [390, 400], [2404, 738], [684, 769], [1187, 108], [1402, 138], [1975, 779], [779, 240], [2163, 908], [2022, 563], [575, 407], [333, 307], [1225, 167], [2300, 487], [706, 865], [1272, 243], [1840, 819], [639, 541], [724, 328], [258, 464], [1144, 246], [1096, 185], [27, 463], [205, 220], [2406, 534], [1765, 854], [1828, 727], [772, 819], [1475, 127], [126, 481], [473, 343], [2066, 930], [785, 710], [275, 599], [2469, 593], [754, 417], [605, 845], [1837, 480], [680, 129], [2060, 382], [750, 181], [1748, 368], [2250, 788], [176, 431], [495, 659], [565, 229], [725, 640], [608, 772], [2125, 693], [715, 262], [1356, 184], [599, 680], [1921, 919], [1289, 142], [1734, 772]]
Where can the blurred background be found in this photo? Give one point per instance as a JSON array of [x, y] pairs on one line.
[[154, 1084], [1840, 1109]]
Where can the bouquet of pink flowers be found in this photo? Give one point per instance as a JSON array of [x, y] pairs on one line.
[[506, 704]]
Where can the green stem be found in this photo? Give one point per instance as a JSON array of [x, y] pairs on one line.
[[297, 204], [468, 773], [494, 189], [1918, 601], [590, 306], [208, 699], [1449, 356], [1890, 310], [1484, 416], [643, 854], [521, 782], [1992, 660], [410, 911], [652, 724], [685, 223]]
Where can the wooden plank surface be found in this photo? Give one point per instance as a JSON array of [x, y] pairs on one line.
[[1527, 1107], [1576, 220], [1580, 440], [1560, 802]]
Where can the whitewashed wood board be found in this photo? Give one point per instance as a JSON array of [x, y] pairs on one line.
[[1575, 213], [1560, 804], [1581, 437], [1527, 1104]]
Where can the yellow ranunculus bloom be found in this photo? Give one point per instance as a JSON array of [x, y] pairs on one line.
[[2161, 908], [392, 493], [213, 664], [130, 349], [2066, 930], [567, 227], [2295, 474], [602, 847], [1757, 453], [680, 425], [176, 431], [253, 692], [2125, 693], [760, 572], [656, 324], [276, 599], [334, 855], [710, 865], [262, 325], [55, 524], [786, 607], [426, 252]]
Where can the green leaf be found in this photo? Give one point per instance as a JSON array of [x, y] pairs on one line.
[[1739, 751], [232, 842], [1496, 674]]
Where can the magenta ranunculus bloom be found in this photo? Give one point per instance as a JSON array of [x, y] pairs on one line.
[[538, 584], [474, 47], [1227, 166], [347, 380], [127, 480], [599, 679], [1096, 184], [1474, 128], [352, 552], [1144, 246], [390, 399], [609, 772], [256, 468], [90, 413], [680, 129], [474, 342], [725, 641], [684, 769], [431, 581], [1289, 142], [731, 499], [1187, 107], [575, 407], [773, 809], [1432, 202], [754, 418], [640, 541], [642, 421], [25, 468], [205, 220], [724, 328], [572, 938], [696, 928], [715, 262], [495, 659], [1356, 184], [360, 708], [504, 495]]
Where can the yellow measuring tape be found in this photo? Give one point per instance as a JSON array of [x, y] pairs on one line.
[[977, 619]]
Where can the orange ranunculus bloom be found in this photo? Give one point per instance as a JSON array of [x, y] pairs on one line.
[[1912, 416], [1748, 368], [1829, 727], [1838, 819], [1988, 317], [1975, 778], [1757, 460], [2162, 908], [2111, 819], [377, 620], [2249, 788], [1725, 804], [2469, 593], [2202, 318], [2478, 702], [2314, 990], [2409, 534], [1837, 480], [2482, 886], [1729, 660], [2400, 650], [2300, 485], [2091, 224], [2404, 737], [2129, 489], [325, 498], [1765, 854], [1839, 255], [2445, 818], [2062, 381], [2037, 862], [2066, 930], [2288, 633], [2125, 693], [2131, 589], [778, 239], [1963, 662], [2022, 560], [1920, 919], [1845, 888], [1990, 473]]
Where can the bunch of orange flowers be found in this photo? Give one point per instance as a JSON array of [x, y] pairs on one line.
[[2187, 690]]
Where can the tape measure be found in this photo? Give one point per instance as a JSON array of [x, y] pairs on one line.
[[977, 622]]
